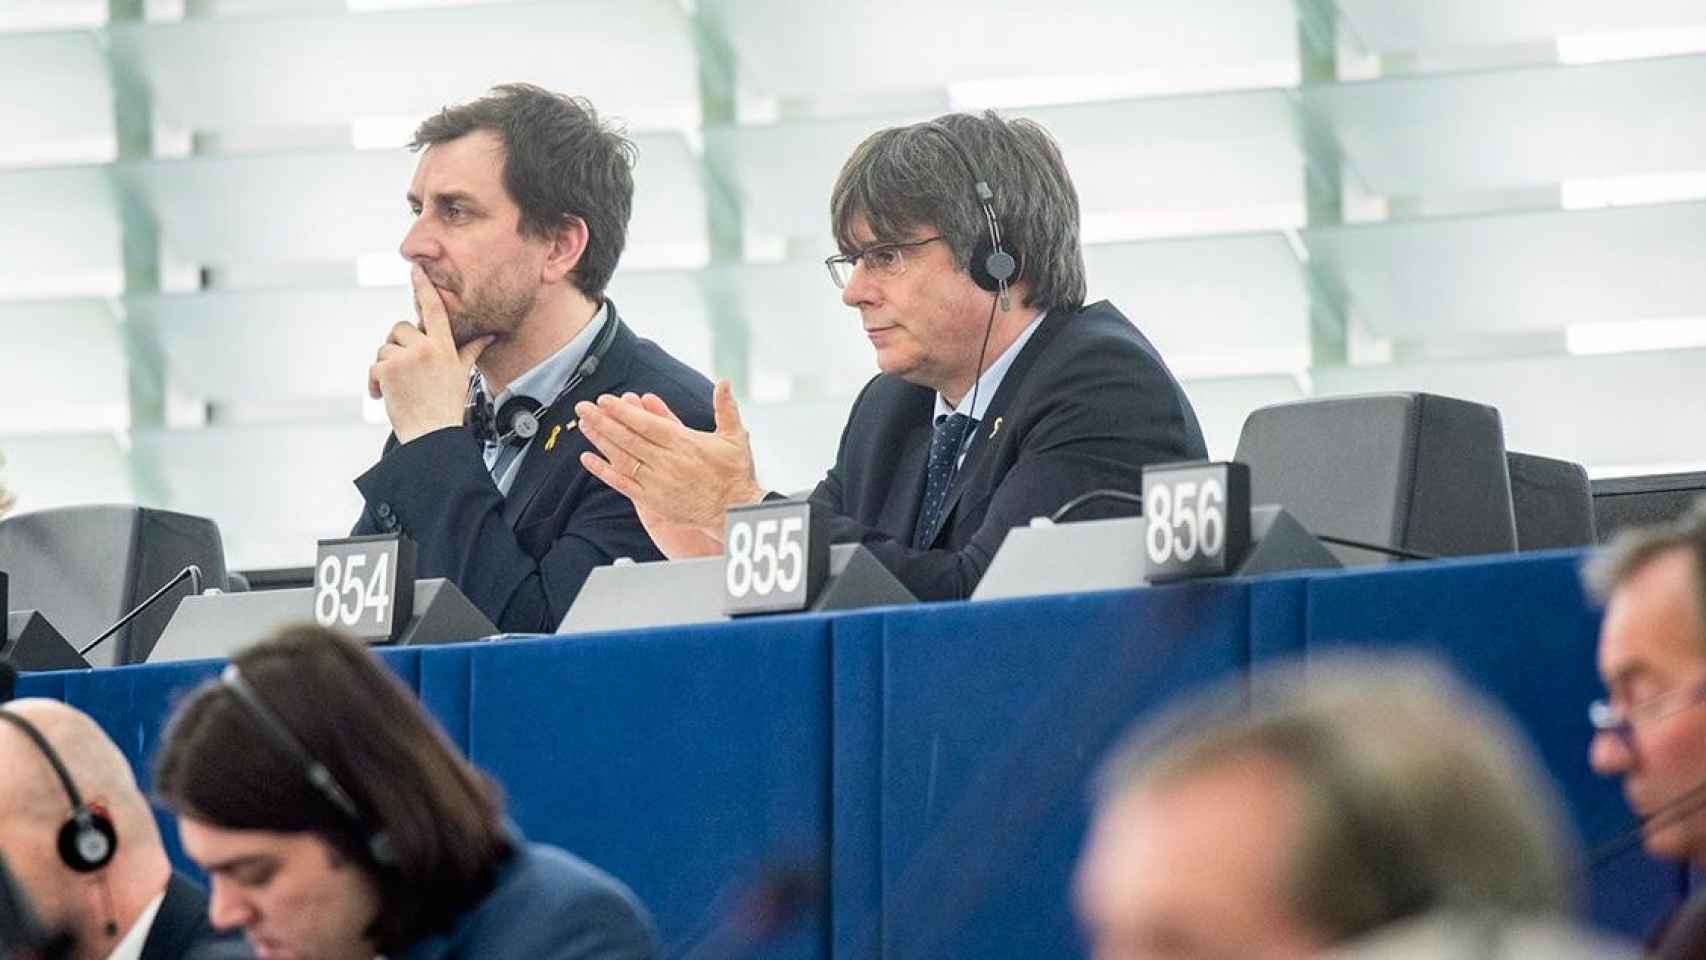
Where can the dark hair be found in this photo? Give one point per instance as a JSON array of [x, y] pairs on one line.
[[905, 178], [1635, 547], [559, 161], [442, 817]]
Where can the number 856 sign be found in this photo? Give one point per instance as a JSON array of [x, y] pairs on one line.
[[775, 555], [1196, 519]]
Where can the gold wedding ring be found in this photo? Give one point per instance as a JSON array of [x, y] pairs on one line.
[[634, 474]]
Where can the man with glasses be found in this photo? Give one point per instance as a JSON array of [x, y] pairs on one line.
[[1651, 730], [1001, 397]]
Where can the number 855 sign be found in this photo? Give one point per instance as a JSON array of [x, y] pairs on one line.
[[775, 555], [1196, 519]]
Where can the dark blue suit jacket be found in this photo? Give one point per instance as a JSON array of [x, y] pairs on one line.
[[1084, 406], [181, 926], [522, 559], [546, 905]]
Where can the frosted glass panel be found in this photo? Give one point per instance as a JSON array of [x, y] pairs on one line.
[[1385, 25], [343, 205], [1520, 272], [816, 48], [1515, 128], [69, 118], [59, 236], [1128, 156], [24, 15], [793, 444], [1631, 408], [65, 469], [332, 68], [1214, 306], [64, 362], [1223, 404], [273, 490]]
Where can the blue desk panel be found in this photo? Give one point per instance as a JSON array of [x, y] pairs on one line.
[[1520, 629], [994, 718], [687, 762]]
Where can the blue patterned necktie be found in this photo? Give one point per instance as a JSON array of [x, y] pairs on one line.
[[946, 442]]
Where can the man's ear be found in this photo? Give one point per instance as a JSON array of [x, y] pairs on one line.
[[567, 247]]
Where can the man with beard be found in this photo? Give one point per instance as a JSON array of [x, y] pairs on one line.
[[521, 203]]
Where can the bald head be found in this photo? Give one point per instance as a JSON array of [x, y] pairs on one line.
[[33, 805], [95, 765]]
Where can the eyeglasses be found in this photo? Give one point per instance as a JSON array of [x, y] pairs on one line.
[[1621, 722], [885, 259]]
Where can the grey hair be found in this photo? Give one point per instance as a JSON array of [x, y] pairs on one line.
[[902, 179], [1633, 548], [1412, 792]]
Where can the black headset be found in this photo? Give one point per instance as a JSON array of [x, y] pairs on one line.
[[377, 841], [87, 841], [992, 265], [516, 423]]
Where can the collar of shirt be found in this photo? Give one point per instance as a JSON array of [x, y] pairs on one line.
[[990, 382], [130, 948], [548, 375]]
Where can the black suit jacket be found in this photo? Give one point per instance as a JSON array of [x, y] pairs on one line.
[[181, 925], [1084, 406], [522, 559]]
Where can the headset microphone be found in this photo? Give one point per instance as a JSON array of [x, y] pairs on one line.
[[1690, 802]]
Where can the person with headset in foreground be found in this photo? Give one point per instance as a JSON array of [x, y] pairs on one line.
[[82, 842], [521, 202], [1651, 728], [1001, 394], [1351, 807], [336, 822]]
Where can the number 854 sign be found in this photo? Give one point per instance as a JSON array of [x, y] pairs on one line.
[[365, 586]]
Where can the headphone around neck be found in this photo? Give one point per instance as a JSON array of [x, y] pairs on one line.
[[377, 841], [992, 266], [516, 423], [87, 840]]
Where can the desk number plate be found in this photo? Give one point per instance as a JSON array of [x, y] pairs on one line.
[[776, 555], [1196, 519], [365, 586]]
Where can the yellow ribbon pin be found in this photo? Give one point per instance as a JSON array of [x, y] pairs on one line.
[[551, 441], [995, 429]]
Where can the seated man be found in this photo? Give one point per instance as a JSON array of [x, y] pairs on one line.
[[521, 203], [1002, 395], [1652, 729], [1358, 801], [336, 822], [112, 890]]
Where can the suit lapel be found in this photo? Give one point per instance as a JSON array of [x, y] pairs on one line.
[[541, 463], [1011, 384]]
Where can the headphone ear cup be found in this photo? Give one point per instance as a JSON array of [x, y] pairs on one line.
[[87, 841], [981, 257], [989, 267], [518, 420]]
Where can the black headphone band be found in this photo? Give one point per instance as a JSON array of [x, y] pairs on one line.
[[502, 428], [315, 772], [46, 749], [998, 266]]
